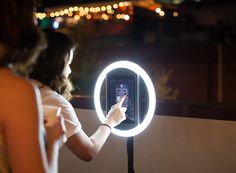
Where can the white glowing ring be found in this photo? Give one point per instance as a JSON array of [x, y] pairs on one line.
[[151, 94]]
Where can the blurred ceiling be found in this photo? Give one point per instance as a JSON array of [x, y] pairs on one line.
[[53, 3]]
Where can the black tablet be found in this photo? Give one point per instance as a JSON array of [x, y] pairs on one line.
[[119, 85]]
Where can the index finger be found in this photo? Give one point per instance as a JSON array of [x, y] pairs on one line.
[[120, 102]]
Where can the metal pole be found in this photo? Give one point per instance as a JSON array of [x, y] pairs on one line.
[[130, 153]]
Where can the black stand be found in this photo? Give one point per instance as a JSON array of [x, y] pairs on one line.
[[130, 153]]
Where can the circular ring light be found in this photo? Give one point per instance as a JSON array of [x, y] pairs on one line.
[[151, 95]]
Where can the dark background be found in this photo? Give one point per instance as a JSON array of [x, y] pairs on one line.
[[181, 54]]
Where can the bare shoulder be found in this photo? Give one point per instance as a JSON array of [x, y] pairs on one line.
[[17, 95], [18, 86], [24, 88]]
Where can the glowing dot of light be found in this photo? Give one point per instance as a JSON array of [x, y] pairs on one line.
[[175, 14], [162, 13], [126, 17], [158, 10], [55, 25]]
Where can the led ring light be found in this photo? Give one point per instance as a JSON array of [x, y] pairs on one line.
[[151, 95]]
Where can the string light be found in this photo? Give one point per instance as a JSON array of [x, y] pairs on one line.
[[102, 12], [76, 8], [77, 17], [175, 14], [66, 11], [115, 6], [103, 8], [126, 17], [109, 11], [121, 4], [158, 10], [162, 13]]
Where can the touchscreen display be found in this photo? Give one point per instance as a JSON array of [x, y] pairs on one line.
[[119, 86], [121, 90]]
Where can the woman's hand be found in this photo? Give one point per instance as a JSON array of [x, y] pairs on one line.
[[116, 114], [56, 131]]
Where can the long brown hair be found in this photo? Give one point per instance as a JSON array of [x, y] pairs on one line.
[[19, 34], [51, 63]]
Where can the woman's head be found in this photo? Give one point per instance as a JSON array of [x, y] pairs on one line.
[[19, 36], [53, 65]]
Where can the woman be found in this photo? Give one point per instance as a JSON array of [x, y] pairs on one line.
[[50, 74], [22, 145]]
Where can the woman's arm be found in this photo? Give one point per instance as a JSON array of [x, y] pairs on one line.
[[54, 140], [86, 147]]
